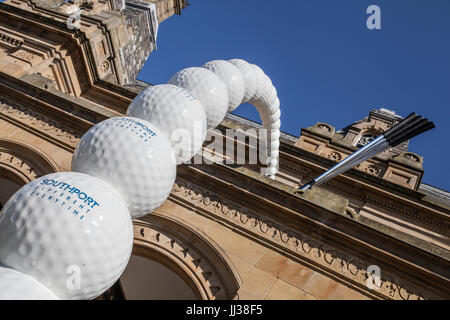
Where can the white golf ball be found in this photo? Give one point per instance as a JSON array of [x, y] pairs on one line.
[[177, 113], [233, 79], [133, 156], [208, 88], [264, 89], [15, 285], [70, 231], [249, 77]]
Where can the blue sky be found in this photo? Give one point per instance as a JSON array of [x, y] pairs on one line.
[[327, 66]]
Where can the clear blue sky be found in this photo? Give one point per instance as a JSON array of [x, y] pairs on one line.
[[327, 66]]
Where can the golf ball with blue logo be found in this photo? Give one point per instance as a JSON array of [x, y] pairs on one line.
[[178, 114], [133, 156], [70, 231]]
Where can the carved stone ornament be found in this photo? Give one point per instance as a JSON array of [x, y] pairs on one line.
[[39, 122], [366, 138], [335, 156], [303, 246]]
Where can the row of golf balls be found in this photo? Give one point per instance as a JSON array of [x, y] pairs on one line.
[[69, 235]]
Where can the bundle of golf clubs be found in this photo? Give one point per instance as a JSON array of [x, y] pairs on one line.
[[406, 129]]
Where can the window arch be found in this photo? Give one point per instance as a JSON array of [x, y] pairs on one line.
[[189, 253], [19, 164]]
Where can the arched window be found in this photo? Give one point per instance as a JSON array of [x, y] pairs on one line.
[[150, 280], [7, 188], [174, 260], [20, 164]]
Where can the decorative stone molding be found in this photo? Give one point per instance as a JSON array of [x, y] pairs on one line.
[[324, 126], [302, 246], [52, 4], [35, 121], [10, 40], [376, 170], [23, 163], [392, 205], [410, 159], [366, 138], [422, 216], [104, 66], [20, 170], [373, 170], [351, 213], [305, 173], [398, 174], [190, 253], [24, 55], [48, 42], [335, 156], [311, 145]]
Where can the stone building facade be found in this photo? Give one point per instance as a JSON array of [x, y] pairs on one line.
[[226, 232]]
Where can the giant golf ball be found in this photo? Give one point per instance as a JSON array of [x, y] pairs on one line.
[[178, 114], [233, 79], [265, 93], [249, 75], [208, 88], [15, 285], [133, 156], [70, 231]]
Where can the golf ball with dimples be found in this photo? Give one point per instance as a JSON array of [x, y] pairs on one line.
[[178, 114], [15, 285], [264, 87], [233, 79], [133, 156], [206, 87], [249, 77], [70, 231]]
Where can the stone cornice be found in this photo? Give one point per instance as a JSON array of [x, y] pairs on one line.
[[360, 184], [44, 127], [329, 241], [33, 90], [278, 198], [436, 218]]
